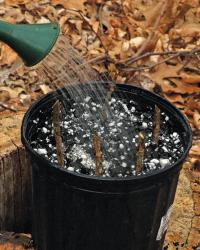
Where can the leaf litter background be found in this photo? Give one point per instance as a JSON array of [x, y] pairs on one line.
[[149, 43]]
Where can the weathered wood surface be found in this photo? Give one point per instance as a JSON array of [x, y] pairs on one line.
[[14, 241], [15, 193], [15, 178], [184, 229]]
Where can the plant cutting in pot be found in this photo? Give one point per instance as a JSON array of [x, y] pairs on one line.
[[105, 170]]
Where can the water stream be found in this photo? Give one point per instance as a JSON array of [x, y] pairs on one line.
[[66, 69]]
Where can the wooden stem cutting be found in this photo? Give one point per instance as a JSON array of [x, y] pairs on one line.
[[97, 154], [57, 133], [140, 153], [111, 89], [156, 125]]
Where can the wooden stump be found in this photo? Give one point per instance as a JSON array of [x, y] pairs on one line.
[[15, 176], [184, 227]]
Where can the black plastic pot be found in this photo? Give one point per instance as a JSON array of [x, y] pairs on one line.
[[80, 212]]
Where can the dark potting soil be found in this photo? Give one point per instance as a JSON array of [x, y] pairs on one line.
[[118, 131]]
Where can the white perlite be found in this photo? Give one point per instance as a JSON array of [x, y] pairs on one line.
[[124, 165], [164, 162], [41, 151], [144, 125], [155, 161], [44, 130], [70, 169], [78, 152]]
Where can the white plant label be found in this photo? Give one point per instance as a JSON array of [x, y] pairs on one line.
[[164, 224]]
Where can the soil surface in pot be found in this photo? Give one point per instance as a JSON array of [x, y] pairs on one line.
[[118, 130]]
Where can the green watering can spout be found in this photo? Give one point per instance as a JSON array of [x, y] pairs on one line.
[[32, 42]]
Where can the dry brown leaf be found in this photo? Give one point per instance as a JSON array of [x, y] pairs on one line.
[[105, 18], [193, 103], [45, 88], [115, 22], [164, 71], [175, 85], [175, 98], [17, 83], [152, 14], [15, 2], [99, 68], [186, 30], [178, 86], [70, 4], [166, 16], [192, 3], [190, 114], [193, 79], [196, 118], [180, 106], [28, 17], [25, 99], [195, 150], [14, 14], [21, 71], [75, 39], [106, 41], [4, 95], [7, 55], [14, 93], [10, 246], [131, 25], [95, 26]]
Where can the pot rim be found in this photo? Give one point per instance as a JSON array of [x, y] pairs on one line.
[[158, 99]]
